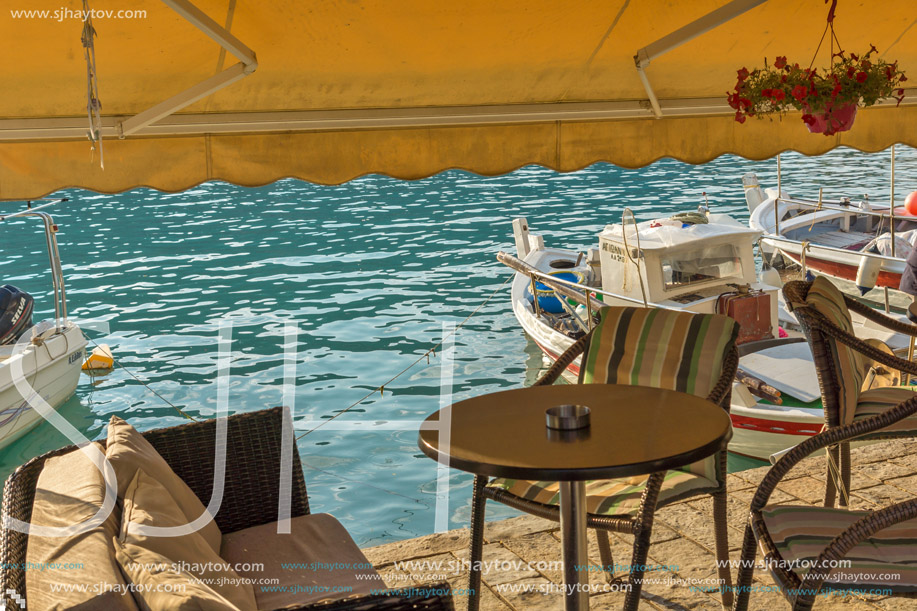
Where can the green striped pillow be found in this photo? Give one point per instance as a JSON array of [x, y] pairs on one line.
[[669, 349], [850, 366]]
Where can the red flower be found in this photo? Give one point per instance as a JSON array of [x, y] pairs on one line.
[[778, 94], [865, 65], [780, 62], [799, 92], [783, 78], [740, 117], [872, 49], [851, 71], [853, 56], [744, 103], [901, 92], [743, 74], [767, 92], [903, 78], [808, 119], [861, 77]]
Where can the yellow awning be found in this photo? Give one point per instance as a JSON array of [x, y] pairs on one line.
[[409, 88]]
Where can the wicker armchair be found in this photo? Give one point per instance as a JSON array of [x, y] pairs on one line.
[[880, 544], [250, 498], [641, 499], [841, 360]]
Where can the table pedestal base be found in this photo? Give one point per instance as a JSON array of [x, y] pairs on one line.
[[573, 538]]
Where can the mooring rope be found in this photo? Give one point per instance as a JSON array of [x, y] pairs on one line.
[[144, 384]]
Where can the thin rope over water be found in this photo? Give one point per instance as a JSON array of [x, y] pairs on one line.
[[426, 355], [147, 386]]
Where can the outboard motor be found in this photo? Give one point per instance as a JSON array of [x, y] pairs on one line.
[[15, 313]]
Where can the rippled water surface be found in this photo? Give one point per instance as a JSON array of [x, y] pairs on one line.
[[369, 271]]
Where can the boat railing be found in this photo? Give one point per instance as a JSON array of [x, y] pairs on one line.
[[580, 293], [57, 274], [846, 206]]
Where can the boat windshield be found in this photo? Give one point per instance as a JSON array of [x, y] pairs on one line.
[[701, 265]]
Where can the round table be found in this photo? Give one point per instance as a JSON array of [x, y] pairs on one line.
[[634, 430]]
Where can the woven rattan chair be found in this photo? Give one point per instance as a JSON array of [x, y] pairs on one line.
[[842, 361], [627, 505], [878, 543], [250, 498]]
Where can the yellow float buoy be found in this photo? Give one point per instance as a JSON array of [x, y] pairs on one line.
[[100, 358]]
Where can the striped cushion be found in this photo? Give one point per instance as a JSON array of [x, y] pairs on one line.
[[616, 497], [800, 533], [850, 365], [669, 349], [878, 400]]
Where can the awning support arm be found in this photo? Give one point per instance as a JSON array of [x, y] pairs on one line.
[[225, 39], [715, 18]]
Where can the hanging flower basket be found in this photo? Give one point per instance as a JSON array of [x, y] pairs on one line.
[[833, 120], [828, 98]]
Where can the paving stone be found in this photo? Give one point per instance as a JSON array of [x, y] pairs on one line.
[[489, 600], [501, 565], [908, 483], [806, 488], [678, 597], [882, 451], [515, 527], [529, 594], [881, 496], [880, 471], [429, 545], [684, 558], [734, 482]]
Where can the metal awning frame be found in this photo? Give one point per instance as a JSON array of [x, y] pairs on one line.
[[711, 20], [248, 63]]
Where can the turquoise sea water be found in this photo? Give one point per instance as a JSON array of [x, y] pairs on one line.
[[369, 271]]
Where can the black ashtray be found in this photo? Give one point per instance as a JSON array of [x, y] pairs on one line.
[[567, 417]]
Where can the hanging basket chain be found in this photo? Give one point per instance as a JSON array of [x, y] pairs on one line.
[[93, 104]]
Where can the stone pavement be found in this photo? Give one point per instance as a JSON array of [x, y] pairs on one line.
[[526, 550]]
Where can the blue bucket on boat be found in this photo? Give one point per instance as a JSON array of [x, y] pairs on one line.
[[547, 300]]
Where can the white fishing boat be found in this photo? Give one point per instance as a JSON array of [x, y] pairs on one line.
[[41, 361], [693, 267], [859, 242]]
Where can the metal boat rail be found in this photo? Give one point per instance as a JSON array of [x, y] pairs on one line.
[[57, 274]]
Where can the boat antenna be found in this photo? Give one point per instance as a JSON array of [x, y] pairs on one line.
[[628, 218]]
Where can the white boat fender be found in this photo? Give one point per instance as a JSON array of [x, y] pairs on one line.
[[867, 274]]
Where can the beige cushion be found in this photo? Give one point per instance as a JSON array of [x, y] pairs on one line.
[[160, 586], [317, 538], [147, 503], [129, 451], [70, 490]]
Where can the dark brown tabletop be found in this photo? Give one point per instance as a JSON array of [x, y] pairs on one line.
[[634, 430]]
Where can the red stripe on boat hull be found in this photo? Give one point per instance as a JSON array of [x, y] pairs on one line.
[[782, 427], [842, 270]]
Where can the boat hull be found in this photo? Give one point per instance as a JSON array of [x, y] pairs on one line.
[[51, 369]]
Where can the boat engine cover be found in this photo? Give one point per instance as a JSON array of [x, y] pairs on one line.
[[15, 313]]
